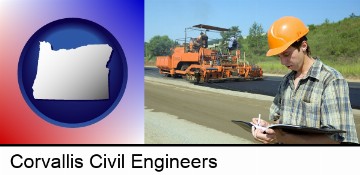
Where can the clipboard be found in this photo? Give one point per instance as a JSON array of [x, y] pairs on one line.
[[295, 129]]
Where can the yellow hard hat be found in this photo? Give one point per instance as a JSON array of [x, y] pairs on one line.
[[283, 33]]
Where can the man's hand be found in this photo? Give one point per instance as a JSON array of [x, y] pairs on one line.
[[265, 136]]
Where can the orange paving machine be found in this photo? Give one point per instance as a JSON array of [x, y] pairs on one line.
[[197, 63]]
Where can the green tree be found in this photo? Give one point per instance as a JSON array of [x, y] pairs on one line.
[[176, 43], [158, 46], [256, 41], [312, 27], [352, 15], [327, 21], [233, 31]]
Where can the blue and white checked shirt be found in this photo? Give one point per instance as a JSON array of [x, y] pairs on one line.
[[321, 99]]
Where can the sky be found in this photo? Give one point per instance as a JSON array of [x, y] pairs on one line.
[[171, 17]]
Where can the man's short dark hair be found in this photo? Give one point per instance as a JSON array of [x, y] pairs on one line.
[[297, 44]]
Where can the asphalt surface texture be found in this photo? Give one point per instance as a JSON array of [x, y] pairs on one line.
[[267, 86], [179, 112]]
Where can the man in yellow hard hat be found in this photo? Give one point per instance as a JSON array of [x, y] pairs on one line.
[[312, 94]]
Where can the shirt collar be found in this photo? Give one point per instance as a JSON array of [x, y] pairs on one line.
[[315, 69]]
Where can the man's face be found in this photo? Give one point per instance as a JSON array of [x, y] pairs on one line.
[[292, 58]]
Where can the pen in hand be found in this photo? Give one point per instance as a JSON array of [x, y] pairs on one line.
[[258, 126], [264, 129]]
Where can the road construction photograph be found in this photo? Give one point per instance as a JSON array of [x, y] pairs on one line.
[[251, 72]]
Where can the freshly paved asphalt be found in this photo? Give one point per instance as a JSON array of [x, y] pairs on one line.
[[267, 86]]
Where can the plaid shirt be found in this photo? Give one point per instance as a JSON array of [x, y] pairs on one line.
[[321, 99]]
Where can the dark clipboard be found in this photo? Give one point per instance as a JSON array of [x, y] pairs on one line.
[[296, 129]]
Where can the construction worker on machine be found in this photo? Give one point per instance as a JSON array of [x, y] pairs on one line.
[[200, 41], [312, 94], [204, 40], [232, 45], [194, 45]]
